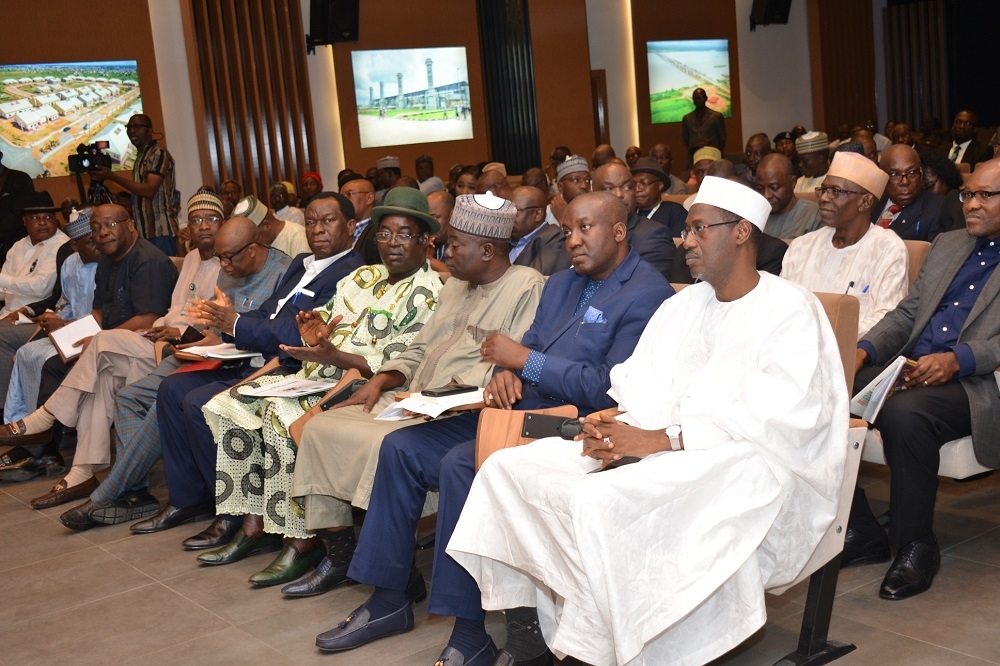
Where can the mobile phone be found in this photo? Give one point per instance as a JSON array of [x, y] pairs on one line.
[[454, 389], [343, 394]]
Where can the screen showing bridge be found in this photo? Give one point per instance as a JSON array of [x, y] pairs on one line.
[[678, 68], [412, 96]]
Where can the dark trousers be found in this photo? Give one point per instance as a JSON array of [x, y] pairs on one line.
[[188, 447], [914, 425], [413, 460]]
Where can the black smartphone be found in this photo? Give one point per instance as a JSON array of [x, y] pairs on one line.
[[454, 389], [343, 394]]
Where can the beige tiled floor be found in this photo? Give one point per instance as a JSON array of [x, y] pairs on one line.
[[107, 597]]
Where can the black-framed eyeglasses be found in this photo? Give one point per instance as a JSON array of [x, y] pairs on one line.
[[228, 259], [982, 196], [402, 239], [834, 192], [912, 174], [527, 208], [700, 229]]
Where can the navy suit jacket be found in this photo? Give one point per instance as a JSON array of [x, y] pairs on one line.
[[579, 356], [255, 330], [921, 220]]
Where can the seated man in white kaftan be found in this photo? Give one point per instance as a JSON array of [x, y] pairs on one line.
[[735, 405], [375, 314]]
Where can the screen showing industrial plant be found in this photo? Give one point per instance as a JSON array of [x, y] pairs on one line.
[[412, 96], [678, 68], [47, 110]]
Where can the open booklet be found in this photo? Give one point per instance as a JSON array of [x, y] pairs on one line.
[[64, 339], [292, 387], [224, 351], [868, 402]]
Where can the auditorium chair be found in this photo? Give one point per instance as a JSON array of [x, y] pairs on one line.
[[500, 429]]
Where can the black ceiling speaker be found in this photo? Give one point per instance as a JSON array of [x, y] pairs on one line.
[[766, 12], [333, 21]]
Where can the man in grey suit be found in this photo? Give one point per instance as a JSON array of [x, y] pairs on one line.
[[950, 325], [533, 242]]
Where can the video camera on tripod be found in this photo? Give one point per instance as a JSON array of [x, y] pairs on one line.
[[89, 156]]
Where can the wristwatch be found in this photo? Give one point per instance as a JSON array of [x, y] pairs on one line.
[[674, 433]]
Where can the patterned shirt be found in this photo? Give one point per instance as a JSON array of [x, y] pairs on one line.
[[379, 319], [250, 292], [156, 216]]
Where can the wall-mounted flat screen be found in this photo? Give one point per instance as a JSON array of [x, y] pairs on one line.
[[47, 110], [412, 96], [678, 68]]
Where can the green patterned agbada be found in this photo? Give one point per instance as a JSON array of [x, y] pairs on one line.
[[256, 456]]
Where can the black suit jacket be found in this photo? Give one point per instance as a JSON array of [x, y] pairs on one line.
[[921, 220], [671, 215], [652, 241], [974, 154], [546, 252], [770, 254]]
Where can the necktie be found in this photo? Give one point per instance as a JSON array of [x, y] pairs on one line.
[[886, 218], [954, 153]]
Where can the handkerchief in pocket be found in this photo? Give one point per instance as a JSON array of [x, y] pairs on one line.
[[594, 316]]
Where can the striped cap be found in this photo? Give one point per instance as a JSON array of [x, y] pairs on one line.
[[485, 215], [706, 153], [812, 142], [387, 162], [79, 223], [203, 200]]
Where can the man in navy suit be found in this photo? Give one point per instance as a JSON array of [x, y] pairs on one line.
[[310, 281], [589, 319], [907, 208]]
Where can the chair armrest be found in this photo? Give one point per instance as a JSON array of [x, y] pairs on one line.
[[610, 411], [501, 428]]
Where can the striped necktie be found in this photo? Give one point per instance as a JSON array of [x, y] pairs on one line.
[[887, 217], [954, 153]]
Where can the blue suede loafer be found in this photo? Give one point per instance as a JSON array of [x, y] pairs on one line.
[[359, 629]]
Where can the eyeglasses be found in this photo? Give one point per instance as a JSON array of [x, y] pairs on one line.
[[95, 227], [643, 183], [982, 196], [386, 236], [896, 176], [228, 259], [834, 192], [198, 221], [527, 208], [699, 231]]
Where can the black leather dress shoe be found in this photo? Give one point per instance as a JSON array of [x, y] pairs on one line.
[[324, 578], [505, 658], [241, 546], [13, 468], [170, 516], [868, 547], [359, 629], [220, 532], [134, 506], [483, 657], [912, 571], [78, 518]]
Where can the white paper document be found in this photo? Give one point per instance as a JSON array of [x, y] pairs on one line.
[[21, 319], [433, 407], [64, 339], [292, 387], [226, 350]]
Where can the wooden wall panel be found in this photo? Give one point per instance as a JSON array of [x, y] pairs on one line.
[[55, 31], [842, 50], [251, 57]]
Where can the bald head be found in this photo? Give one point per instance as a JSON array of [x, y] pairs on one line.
[[535, 177], [441, 205], [602, 154], [776, 181], [530, 203], [594, 225], [237, 231], [495, 182], [721, 169]]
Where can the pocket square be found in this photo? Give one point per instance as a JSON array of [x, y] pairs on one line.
[[594, 316]]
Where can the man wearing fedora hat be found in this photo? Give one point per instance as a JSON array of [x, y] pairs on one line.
[[29, 273], [650, 180]]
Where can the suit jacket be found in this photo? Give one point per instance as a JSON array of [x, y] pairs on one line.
[[671, 215], [899, 330], [367, 246], [921, 220], [952, 216], [546, 252], [974, 154], [578, 355], [256, 330], [652, 241], [770, 254]]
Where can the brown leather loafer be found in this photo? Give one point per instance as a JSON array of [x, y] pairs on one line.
[[13, 434], [60, 494]]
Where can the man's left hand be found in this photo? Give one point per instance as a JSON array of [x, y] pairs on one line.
[[933, 370], [503, 390], [501, 350], [610, 439]]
